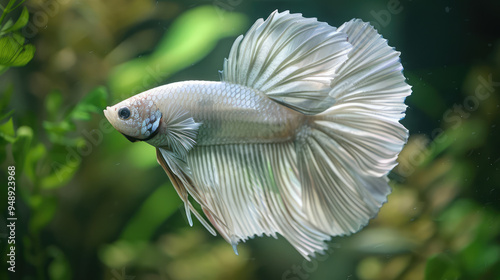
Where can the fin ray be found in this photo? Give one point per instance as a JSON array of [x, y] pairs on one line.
[[289, 58], [181, 185], [337, 199], [373, 71], [332, 178], [369, 90], [254, 190], [345, 153]]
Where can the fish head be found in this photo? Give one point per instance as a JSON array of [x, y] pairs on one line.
[[137, 118]]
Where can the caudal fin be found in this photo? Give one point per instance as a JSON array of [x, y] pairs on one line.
[[332, 178], [347, 151]]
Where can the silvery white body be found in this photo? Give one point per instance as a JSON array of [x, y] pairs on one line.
[[297, 139], [227, 113]]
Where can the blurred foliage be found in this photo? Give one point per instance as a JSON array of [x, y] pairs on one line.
[[180, 255], [187, 41], [93, 206], [13, 50], [44, 168]]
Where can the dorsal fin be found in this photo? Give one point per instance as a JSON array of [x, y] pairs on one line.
[[289, 58]]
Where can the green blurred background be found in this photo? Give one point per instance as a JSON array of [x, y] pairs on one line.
[[91, 205]]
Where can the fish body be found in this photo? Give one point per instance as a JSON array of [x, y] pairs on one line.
[[297, 139], [230, 113]]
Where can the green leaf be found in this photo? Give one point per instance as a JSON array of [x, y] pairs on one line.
[[53, 105], [10, 47], [453, 220], [22, 146], [441, 267], [6, 26], [25, 55], [59, 268], [21, 21], [6, 115], [63, 162], [7, 132], [12, 5], [58, 129], [43, 210], [93, 102], [478, 256], [457, 141], [62, 172], [191, 37], [32, 158], [489, 228], [13, 52]]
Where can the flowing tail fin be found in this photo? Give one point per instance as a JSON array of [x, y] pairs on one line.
[[349, 83], [348, 149]]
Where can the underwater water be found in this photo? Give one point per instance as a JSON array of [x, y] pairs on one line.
[[79, 201]]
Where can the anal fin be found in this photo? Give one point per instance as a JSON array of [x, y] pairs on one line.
[[183, 193], [253, 190]]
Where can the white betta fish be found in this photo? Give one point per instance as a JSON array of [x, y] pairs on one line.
[[297, 138]]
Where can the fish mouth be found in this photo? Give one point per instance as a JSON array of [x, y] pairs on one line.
[[106, 112], [156, 125], [153, 133], [134, 139], [130, 138]]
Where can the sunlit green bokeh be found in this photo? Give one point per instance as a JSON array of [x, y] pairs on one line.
[[190, 38]]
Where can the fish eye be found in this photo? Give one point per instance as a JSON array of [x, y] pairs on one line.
[[124, 113]]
